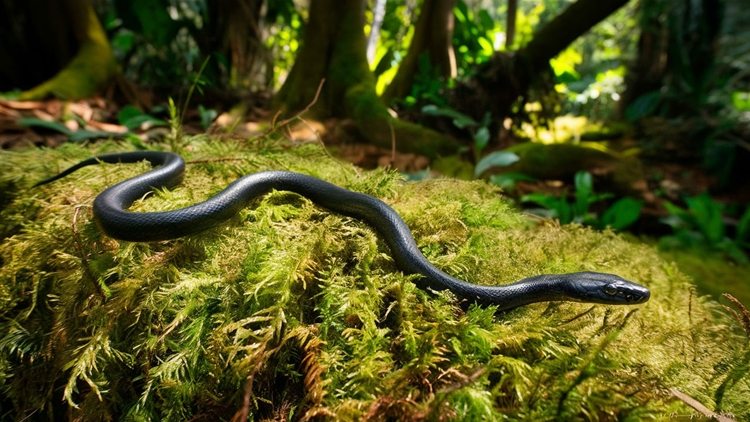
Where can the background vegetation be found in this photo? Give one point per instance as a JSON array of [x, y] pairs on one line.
[[597, 116]]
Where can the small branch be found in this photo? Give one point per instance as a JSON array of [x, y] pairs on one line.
[[699, 407], [581, 315], [242, 414], [215, 160], [297, 115]]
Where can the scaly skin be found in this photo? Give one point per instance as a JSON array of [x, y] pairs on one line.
[[110, 212]]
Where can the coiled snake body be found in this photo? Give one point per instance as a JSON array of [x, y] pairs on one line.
[[110, 211]]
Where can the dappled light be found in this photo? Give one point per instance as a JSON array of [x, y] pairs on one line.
[[374, 210]]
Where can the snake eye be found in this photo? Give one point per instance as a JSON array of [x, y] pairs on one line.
[[610, 289]]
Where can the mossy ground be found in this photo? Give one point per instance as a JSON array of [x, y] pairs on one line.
[[713, 273], [289, 311]]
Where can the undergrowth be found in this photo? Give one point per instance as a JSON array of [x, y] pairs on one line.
[[290, 312]]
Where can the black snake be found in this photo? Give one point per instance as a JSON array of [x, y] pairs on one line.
[[111, 214]]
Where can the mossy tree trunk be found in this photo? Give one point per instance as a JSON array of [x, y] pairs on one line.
[[235, 28], [677, 48], [432, 41], [648, 69], [333, 49], [510, 24], [24, 28], [89, 64], [500, 82]]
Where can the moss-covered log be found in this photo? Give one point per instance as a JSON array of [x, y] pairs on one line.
[[623, 174], [333, 50], [290, 311]]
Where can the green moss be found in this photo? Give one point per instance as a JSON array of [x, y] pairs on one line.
[[712, 272], [305, 311], [563, 160]]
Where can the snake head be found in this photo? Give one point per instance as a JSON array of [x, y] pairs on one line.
[[608, 289]]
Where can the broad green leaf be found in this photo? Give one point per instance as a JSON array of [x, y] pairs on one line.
[[584, 184], [133, 118], [77, 136], [44, 124], [542, 199], [643, 106], [509, 180], [481, 138], [460, 120], [487, 47], [741, 100], [85, 135], [678, 217], [208, 115], [707, 215], [622, 213], [495, 159], [558, 207]]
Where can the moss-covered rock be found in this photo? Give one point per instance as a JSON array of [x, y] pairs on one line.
[[291, 311]]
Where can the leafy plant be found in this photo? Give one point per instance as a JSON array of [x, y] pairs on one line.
[[134, 118], [474, 35], [703, 224], [79, 135], [207, 115], [619, 215], [480, 132]]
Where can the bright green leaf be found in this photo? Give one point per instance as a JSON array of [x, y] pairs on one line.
[[622, 213], [509, 180], [460, 120], [495, 159], [708, 218], [584, 184], [481, 138], [44, 124]]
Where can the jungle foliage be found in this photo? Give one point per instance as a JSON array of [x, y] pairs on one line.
[[289, 311]]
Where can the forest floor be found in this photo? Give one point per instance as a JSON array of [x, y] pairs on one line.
[[309, 305], [51, 123]]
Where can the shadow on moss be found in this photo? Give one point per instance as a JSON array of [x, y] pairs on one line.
[[288, 311]]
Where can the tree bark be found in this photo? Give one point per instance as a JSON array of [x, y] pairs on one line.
[[647, 71], [505, 78], [234, 27], [35, 42], [377, 23], [333, 49], [432, 38], [510, 24], [92, 67], [565, 28]]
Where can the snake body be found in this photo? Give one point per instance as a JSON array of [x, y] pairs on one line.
[[111, 214]]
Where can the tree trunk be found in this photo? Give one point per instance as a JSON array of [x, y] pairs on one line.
[[377, 23], [510, 24], [92, 67], [646, 73], [432, 39], [35, 42], [333, 49], [234, 27], [498, 83]]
